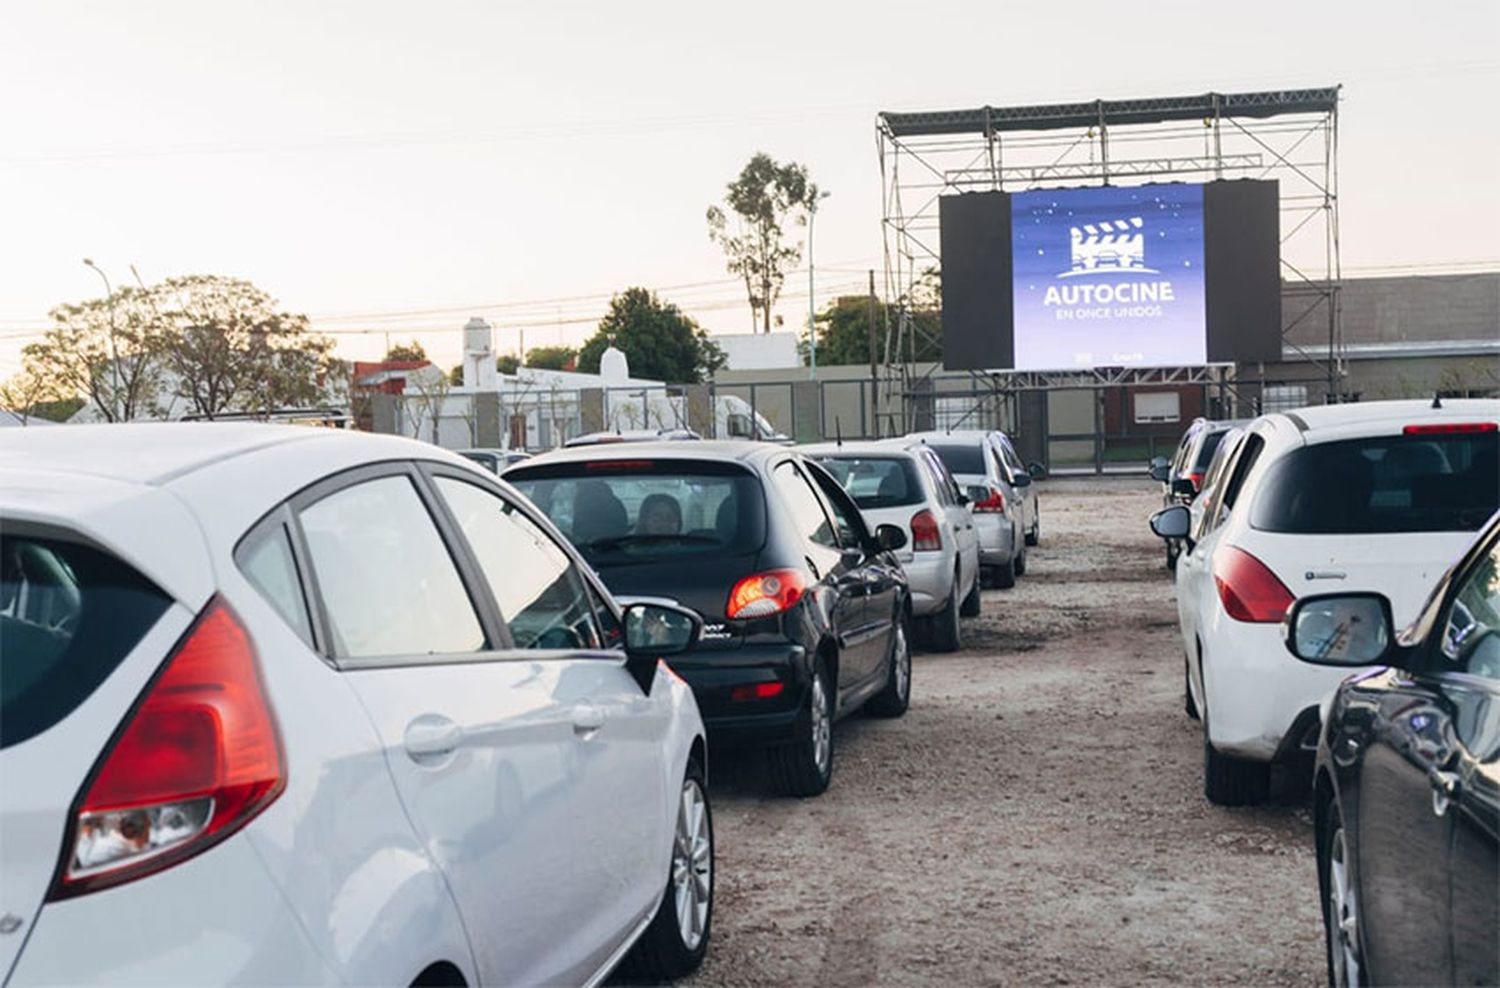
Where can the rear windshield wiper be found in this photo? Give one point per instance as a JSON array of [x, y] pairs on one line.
[[620, 541]]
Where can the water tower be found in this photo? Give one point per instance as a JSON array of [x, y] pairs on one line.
[[479, 356]]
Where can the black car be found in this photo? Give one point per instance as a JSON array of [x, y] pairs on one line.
[[805, 609], [1182, 477], [1407, 786]]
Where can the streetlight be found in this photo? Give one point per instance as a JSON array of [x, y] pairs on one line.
[[114, 353], [812, 306]]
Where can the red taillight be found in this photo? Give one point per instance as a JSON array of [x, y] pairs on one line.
[[1197, 478], [197, 758], [1448, 428], [765, 594], [993, 503], [925, 535], [756, 691], [1248, 590], [618, 464]]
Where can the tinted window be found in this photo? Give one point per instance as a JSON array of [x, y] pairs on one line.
[[961, 459], [269, 565], [388, 583], [68, 616], [1012, 461], [539, 591], [942, 483], [877, 482], [637, 510], [1383, 484], [1206, 451], [808, 517]]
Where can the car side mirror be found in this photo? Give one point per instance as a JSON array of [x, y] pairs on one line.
[[976, 494], [1020, 479], [1037, 471], [890, 537], [1353, 629], [654, 630], [1172, 523], [963, 500], [1183, 487], [1159, 468]]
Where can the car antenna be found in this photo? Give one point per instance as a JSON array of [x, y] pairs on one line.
[[838, 431], [1437, 400]]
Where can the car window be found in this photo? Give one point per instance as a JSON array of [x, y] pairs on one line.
[[387, 581], [269, 565], [1211, 441], [847, 525], [1425, 482], [612, 635], [808, 516], [876, 481], [960, 458], [68, 616], [541, 595], [1225, 495], [1010, 460], [941, 484], [1471, 632]]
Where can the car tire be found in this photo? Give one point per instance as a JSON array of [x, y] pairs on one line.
[[1005, 576], [1341, 933], [676, 942], [1035, 535], [804, 766], [1171, 557], [1230, 781], [943, 631], [974, 602], [1021, 563], [895, 697], [1188, 706]]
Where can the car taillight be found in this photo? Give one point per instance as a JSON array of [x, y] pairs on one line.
[[756, 691], [196, 759], [1197, 478], [992, 504], [925, 535], [765, 594], [1448, 428], [1248, 590]]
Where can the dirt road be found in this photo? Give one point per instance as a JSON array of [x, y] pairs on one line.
[[1037, 817]]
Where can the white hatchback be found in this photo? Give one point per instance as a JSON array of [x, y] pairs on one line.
[[287, 705], [1376, 496]]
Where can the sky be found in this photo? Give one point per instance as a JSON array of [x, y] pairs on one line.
[[396, 167]]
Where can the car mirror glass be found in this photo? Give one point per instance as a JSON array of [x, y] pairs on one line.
[[1036, 470], [890, 537], [1172, 523], [1020, 479], [1159, 468], [1340, 630], [658, 629]]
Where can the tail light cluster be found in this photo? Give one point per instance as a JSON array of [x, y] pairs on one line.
[[992, 503], [925, 534], [765, 594], [196, 759], [1449, 428], [1197, 478], [1248, 589]]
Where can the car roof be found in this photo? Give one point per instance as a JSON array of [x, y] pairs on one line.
[[855, 448], [722, 450], [1377, 413], [957, 435]]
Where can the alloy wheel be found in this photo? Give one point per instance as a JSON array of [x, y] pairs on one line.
[[902, 670], [1343, 914], [822, 726], [692, 865]]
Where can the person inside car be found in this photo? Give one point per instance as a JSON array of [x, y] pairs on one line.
[[660, 514]]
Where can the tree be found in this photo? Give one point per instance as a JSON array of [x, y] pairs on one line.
[[411, 350], [27, 393], [507, 363], [762, 199], [659, 340], [108, 350], [844, 326], [551, 357], [231, 350]]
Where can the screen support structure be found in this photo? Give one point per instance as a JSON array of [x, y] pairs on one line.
[[1287, 135]]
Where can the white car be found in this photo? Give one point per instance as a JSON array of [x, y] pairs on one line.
[[1379, 496], [902, 482], [285, 705], [1001, 497]]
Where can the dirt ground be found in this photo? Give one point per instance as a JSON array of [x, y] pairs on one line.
[[1037, 817]]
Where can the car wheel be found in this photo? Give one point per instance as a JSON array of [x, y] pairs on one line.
[[1005, 575], [1035, 535], [893, 700], [805, 766], [973, 603], [675, 943], [1230, 781], [1346, 963], [1021, 563], [1171, 557], [943, 631], [1188, 706]]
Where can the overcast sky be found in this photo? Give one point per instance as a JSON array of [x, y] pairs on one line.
[[367, 158]]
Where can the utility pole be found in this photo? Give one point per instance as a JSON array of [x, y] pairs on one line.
[[874, 374], [114, 352], [812, 305]]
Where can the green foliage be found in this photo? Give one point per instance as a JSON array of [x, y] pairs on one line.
[[660, 342], [764, 196], [59, 410], [507, 363], [411, 350], [551, 357], [843, 327], [456, 375]]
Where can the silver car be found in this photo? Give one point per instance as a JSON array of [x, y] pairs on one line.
[[901, 482], [1002, 494]]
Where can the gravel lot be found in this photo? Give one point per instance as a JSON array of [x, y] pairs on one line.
[[1037, 816]]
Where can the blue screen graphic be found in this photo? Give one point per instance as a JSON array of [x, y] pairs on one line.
[[1108, 277]]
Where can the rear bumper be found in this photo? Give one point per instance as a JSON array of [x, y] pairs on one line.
[[997, 543], [929, 575], [714, 673]]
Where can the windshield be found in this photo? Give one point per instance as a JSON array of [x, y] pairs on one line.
[[1385, 484], [626, 512], [876, 482]]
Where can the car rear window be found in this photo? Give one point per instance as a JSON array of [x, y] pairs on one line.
[[961, 459], [630, 511], [1385, 484], [877, 482], [69, 615]]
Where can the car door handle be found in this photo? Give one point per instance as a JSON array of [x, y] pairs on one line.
[[587, 719], [431, 735], [1445, 786]]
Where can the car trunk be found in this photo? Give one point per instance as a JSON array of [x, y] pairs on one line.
[[700, 583]]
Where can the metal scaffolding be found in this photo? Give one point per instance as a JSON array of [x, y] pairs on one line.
[[1287, 135]]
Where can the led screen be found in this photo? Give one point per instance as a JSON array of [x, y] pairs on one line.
[[1108, 277]]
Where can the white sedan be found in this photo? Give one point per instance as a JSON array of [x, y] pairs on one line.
[[1372, 496], [288, 705]]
